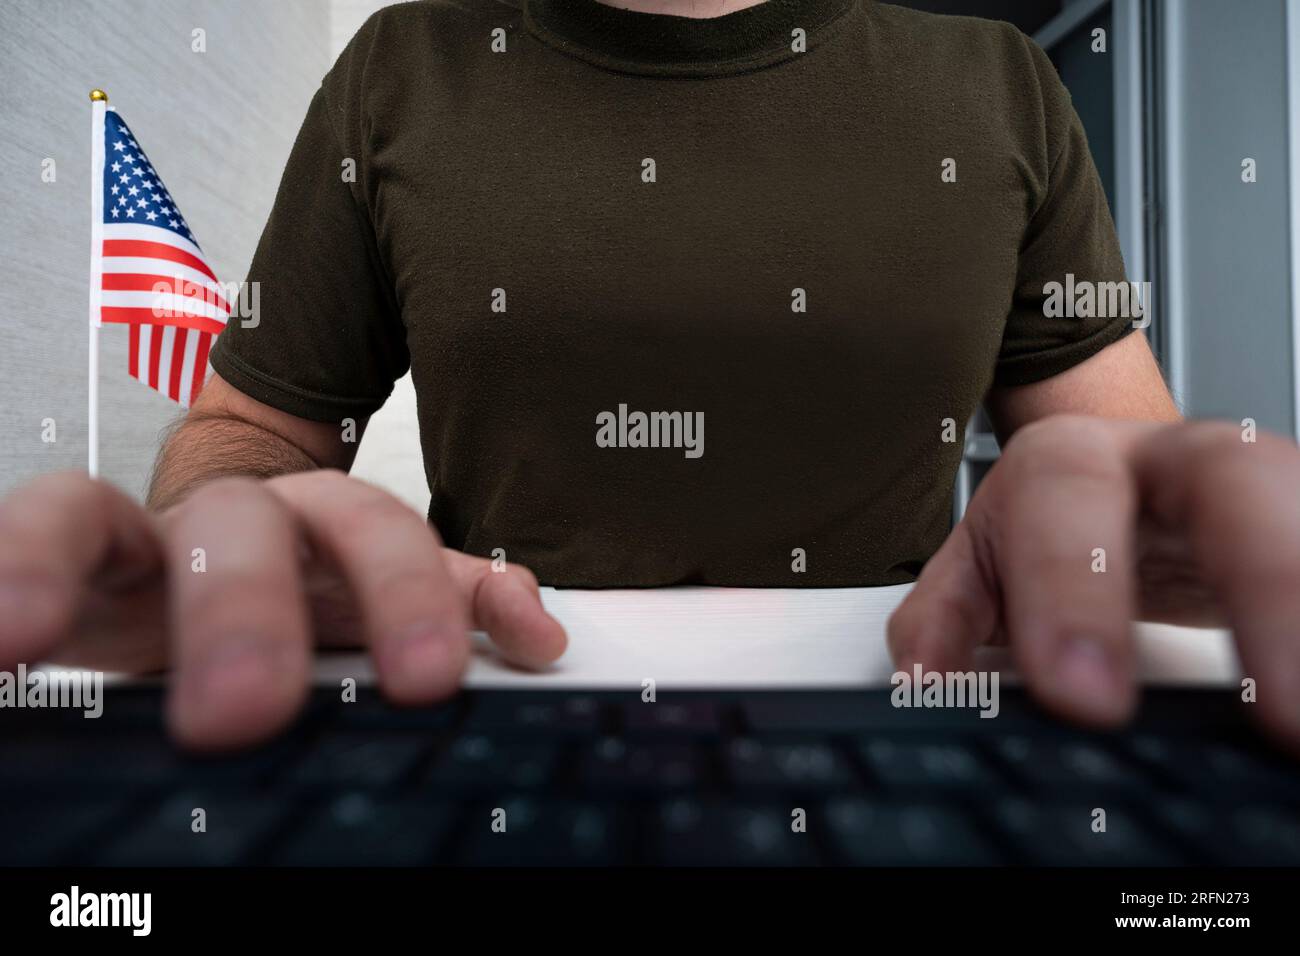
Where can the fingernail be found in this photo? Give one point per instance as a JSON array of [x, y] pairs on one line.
[[1086, 670]]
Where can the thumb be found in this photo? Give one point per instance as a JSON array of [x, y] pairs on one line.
[[952, 609], [507, 604]]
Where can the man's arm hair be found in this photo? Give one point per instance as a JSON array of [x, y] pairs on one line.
[[227, 433], [204, 446]]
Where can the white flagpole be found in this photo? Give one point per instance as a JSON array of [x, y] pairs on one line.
[[98, 105]]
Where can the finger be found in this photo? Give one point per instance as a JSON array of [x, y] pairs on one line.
[[951, 610], [60, 535], [1063, 555], [240, 640], [413, 615], [1239, 504], [507, 604]]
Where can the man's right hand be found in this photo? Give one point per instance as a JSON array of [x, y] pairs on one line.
[[232, 588]]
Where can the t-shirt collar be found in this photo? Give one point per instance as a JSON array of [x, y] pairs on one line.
[[654, 43]]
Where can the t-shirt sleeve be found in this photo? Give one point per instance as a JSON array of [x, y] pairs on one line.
[[1070, 231], [328, 341]]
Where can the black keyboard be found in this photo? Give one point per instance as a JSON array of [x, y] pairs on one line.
[[703, 778]]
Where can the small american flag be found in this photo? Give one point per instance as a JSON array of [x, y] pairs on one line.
[[147, 270]]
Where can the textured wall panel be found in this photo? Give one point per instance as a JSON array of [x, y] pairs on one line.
[[217, 126]]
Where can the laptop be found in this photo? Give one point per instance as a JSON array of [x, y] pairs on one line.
[[685, 727]]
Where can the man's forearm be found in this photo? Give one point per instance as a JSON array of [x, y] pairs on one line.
[[204, 446]]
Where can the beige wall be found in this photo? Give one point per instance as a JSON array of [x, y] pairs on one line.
[[217, 125]]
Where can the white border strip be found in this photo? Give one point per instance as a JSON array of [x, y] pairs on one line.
[[1130, 159], [1293, 187], [1175, 313]]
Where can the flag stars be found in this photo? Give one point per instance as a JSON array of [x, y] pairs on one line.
[[132, 175]]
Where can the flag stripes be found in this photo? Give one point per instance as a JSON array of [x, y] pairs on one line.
[[152, 275]]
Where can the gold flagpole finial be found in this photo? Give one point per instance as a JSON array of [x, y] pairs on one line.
[[97, 96]]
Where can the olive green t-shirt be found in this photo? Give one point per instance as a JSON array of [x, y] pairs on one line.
[[684, 301]]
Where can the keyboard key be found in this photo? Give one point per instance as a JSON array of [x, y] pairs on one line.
[[478, 763], [913, 765], [372, 712], [542, 834], [869, 833], [1062, 835], [56, 831], [806, 765], [862, 712], [696, 718], [358, 829], [355, 759], [613, 763], [1067, 765], [807, 713], [58, 763], [132, 761], [551, 713], [134, 709], [1217, 768], [691, 833], [1241, 836], [234, 826], [1268, 836]]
